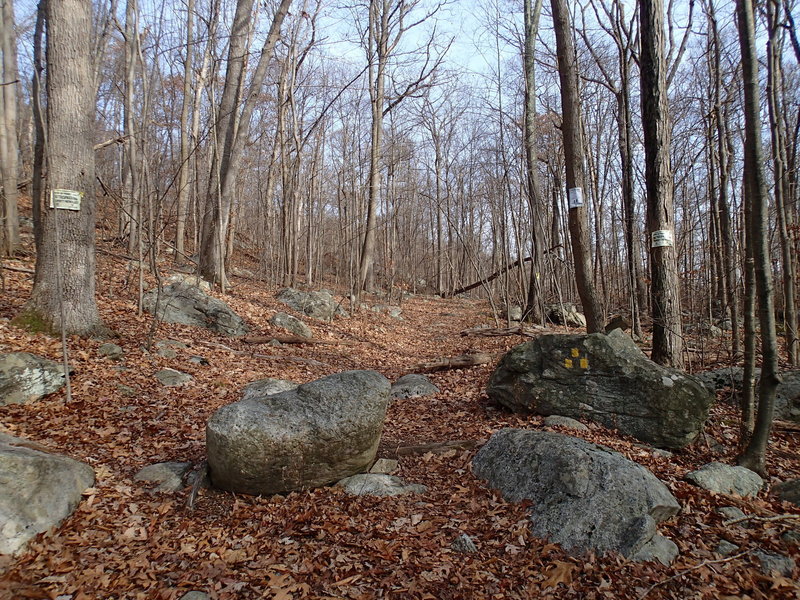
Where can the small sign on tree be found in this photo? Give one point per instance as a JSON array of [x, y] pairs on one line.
[[66, 199]]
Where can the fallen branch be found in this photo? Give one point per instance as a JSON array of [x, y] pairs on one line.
[[785, 425], [297, 359], [680, 574], [18, 269], [433, 447], [491, 277], [787, 517], [454, 362], [294, 339]]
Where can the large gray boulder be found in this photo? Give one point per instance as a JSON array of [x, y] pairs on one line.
[[584, 496], [316, 434], [25, 377], [189, 305], [39, 490], [317, 305], [605, 378]]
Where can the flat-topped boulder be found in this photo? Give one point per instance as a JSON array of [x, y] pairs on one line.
[[604, 378], [39, 490], [583, 496], [25, 377], [313, 435], [187, 304]]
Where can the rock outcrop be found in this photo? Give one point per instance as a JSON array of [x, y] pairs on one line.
[[605, 378]]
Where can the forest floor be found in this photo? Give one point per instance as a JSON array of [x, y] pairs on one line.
[[124, 541]]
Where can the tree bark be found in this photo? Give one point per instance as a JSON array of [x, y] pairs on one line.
[[664, 286], [782, 198], [533, 304], [69, 156], [183, 180], [754, 455], [573, 154], [9, 146]]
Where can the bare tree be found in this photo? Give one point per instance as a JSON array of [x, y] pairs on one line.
[[63, 296], [388, 22], [574, 158], [664, 286], [754, 455], [232, 129], [9, 147]]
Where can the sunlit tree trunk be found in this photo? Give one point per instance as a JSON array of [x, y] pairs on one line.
[[9, 147], [576, 179], [664, 286], [754, 454], [66, 253]]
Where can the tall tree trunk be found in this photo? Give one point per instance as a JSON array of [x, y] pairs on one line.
[[183, 180], [754, 455], [9, 145], [232, 130], [664, 287], [131, 206], [725, 165], [576, 179], [533, 304], [782, 187], [379, 49], [69, 155]]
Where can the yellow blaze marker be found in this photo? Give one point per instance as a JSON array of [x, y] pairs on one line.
[[568, 363], [575, 353], [584, 363]]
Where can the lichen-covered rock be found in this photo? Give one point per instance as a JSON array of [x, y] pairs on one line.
[[605, 378], [659, 548], [772, 562], [168, 475], [567, 422], [111, 351], [189, 305], [317, 305], [413, 385], [291, 324], [173, 378], [583, 496], [316, 434], [787, 394], [25, 377], [726, 479], [379, 484], [39, 490]]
